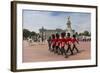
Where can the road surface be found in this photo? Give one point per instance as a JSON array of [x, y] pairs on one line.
[[38, 52]]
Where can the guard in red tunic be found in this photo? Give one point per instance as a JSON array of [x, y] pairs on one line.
[[74, 41], [57, 50], [53, 42], [69, 41], [63, 43]]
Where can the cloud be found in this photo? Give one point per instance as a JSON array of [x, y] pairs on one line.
[[34, 20]]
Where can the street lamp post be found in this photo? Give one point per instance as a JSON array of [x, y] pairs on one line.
[[42, 33]]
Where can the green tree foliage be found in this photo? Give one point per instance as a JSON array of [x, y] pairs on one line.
[[26, 33], [85, 33], [33, 33]]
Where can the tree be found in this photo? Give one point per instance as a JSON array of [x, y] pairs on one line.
[[86, 33], [76, 33], [81, 34], [26, 33], [33, 33]]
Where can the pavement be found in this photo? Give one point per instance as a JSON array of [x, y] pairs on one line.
[[38, 52]]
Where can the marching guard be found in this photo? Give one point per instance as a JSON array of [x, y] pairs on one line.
[[63, 43], [69, 42], [75, 41], [57, 50]]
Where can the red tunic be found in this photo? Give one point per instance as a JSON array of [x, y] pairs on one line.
[[58, 41], [74, 40], [69, 40], [53, 42], [63, 42]]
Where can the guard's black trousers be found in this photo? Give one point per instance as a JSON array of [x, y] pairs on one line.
[[63, 51], [74, 47], [58, 50], [69, 49], [53, 47]]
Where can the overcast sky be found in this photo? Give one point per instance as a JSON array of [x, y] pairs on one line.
[[34, 20]]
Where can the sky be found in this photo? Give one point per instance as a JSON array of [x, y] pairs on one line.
[[34, 20]]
